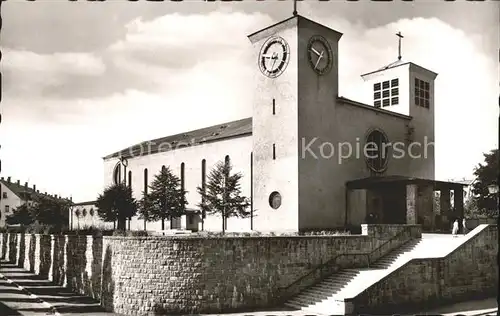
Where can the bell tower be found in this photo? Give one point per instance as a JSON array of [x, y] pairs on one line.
[[407, 88], [295, 93]]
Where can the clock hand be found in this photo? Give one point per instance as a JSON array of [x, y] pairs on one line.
[[274, 62], [317, 62], [315, 51]]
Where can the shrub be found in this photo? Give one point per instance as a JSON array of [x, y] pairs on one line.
[[131, 233], [44, 229]]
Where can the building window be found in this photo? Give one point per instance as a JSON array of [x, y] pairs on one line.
[[117, 174], [4, 195], [6, 209], [190, 218], [275, 200], [422, 93], [146, 181], [376, 151], [182, 176], [203, 174], [386, 93]]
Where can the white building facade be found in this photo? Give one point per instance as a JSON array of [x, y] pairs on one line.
[[303, 143]]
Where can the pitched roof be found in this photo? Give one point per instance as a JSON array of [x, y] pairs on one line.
[[88, 203], [371, 108], [394, 64], [217, 132], [213, 133], [22, 191]]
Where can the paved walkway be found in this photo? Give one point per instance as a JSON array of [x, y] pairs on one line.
[[472, 308], [23, 293], [14, 301]]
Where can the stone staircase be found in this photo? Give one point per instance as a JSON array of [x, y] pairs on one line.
[[329, 296]]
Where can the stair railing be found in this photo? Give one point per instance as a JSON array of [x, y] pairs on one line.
[[330, 262]]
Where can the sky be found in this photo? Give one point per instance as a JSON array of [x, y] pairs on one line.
[[81, 80]]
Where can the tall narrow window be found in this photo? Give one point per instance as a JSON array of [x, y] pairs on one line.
[[274, 151], [182, 176], [251, 191], [145, 193], [124, 175], [203, 174], [146, 181], [422, 93], [274, 106], [130, 179], [203, 188], [117, 174], [227, 162]]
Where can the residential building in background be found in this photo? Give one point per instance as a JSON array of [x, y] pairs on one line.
[[15, 194]]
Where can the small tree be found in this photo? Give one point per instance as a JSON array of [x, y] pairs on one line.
[[145, 207], [22, 215], [222, 194], [167, 198], [51, 211], [116, 204], [486, 174]]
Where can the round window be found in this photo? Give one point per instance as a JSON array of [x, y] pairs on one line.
[[275, 200], [377, 150]]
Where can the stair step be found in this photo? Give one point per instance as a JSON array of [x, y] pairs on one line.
[[327, 297], [329, 288], [340, 279], [304, 302], [319, 292], [315, 297], [293, 305]]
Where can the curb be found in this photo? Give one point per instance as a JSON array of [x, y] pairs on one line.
[[53, 309]]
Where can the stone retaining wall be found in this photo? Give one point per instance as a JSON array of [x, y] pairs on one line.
[[160, 275], [467, 273]]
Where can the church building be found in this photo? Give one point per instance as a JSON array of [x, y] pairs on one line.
[[310, 158]]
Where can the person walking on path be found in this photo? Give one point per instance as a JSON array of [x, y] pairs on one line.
[[464, 226], [455, 228]]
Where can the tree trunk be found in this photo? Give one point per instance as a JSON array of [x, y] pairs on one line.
[[145, 228], [122, 223], [163, 223]]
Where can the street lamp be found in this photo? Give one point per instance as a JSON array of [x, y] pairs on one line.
[[493, 188]]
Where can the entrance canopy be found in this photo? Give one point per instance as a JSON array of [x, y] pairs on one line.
[[404, 200], [378, 182]]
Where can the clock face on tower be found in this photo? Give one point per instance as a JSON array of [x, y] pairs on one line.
[[274, 57], [320, 54]]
